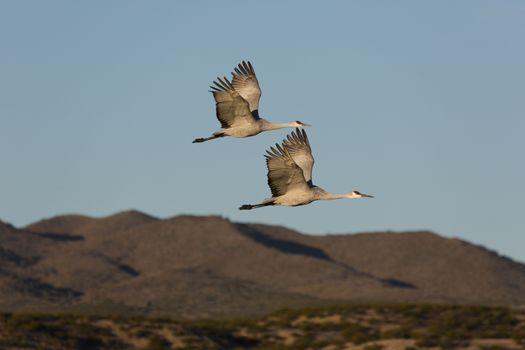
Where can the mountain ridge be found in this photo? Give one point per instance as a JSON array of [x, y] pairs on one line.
[[199, 266]]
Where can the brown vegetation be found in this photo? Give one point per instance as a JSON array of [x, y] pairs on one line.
[[337, 327]]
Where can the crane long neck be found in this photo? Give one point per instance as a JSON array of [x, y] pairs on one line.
[[272, 126], [329, 196]]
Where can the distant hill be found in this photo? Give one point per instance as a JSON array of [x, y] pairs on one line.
[[190, 266]]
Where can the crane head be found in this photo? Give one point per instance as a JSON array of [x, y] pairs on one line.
[[357, 194], [300, 124]]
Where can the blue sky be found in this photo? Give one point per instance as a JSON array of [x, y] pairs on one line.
[[418, 103]]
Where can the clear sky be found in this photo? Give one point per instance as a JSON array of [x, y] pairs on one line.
[[420, 103]]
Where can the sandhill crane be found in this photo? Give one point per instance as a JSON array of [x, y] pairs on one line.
[[290, 175], [237, 106]]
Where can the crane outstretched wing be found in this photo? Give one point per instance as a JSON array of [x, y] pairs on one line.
[[284, 175], [231, 108], [245, 83], [298, 147]]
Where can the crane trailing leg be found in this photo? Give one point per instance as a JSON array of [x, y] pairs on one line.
[[214, 136], [254, 206]]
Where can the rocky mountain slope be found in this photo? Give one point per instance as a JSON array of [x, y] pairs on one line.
[[191, 266]]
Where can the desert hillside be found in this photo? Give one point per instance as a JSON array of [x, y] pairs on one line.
[[193, 267]]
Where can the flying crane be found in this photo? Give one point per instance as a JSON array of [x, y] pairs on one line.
[[290, 175], [237, 106]]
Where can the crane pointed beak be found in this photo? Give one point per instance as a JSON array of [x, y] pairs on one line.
[[367, 195], [304, 124]]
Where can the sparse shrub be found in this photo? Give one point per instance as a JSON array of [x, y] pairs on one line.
[[452, 326], [304, 342], [86, 343], [156, 342], [358, 333], [494, 347], [445, 341], [374, 347], [427, 342], [519, 335], [401, 332], [141, 333], [267, 347]]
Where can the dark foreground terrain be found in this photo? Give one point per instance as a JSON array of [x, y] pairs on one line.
[[356, 327]]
